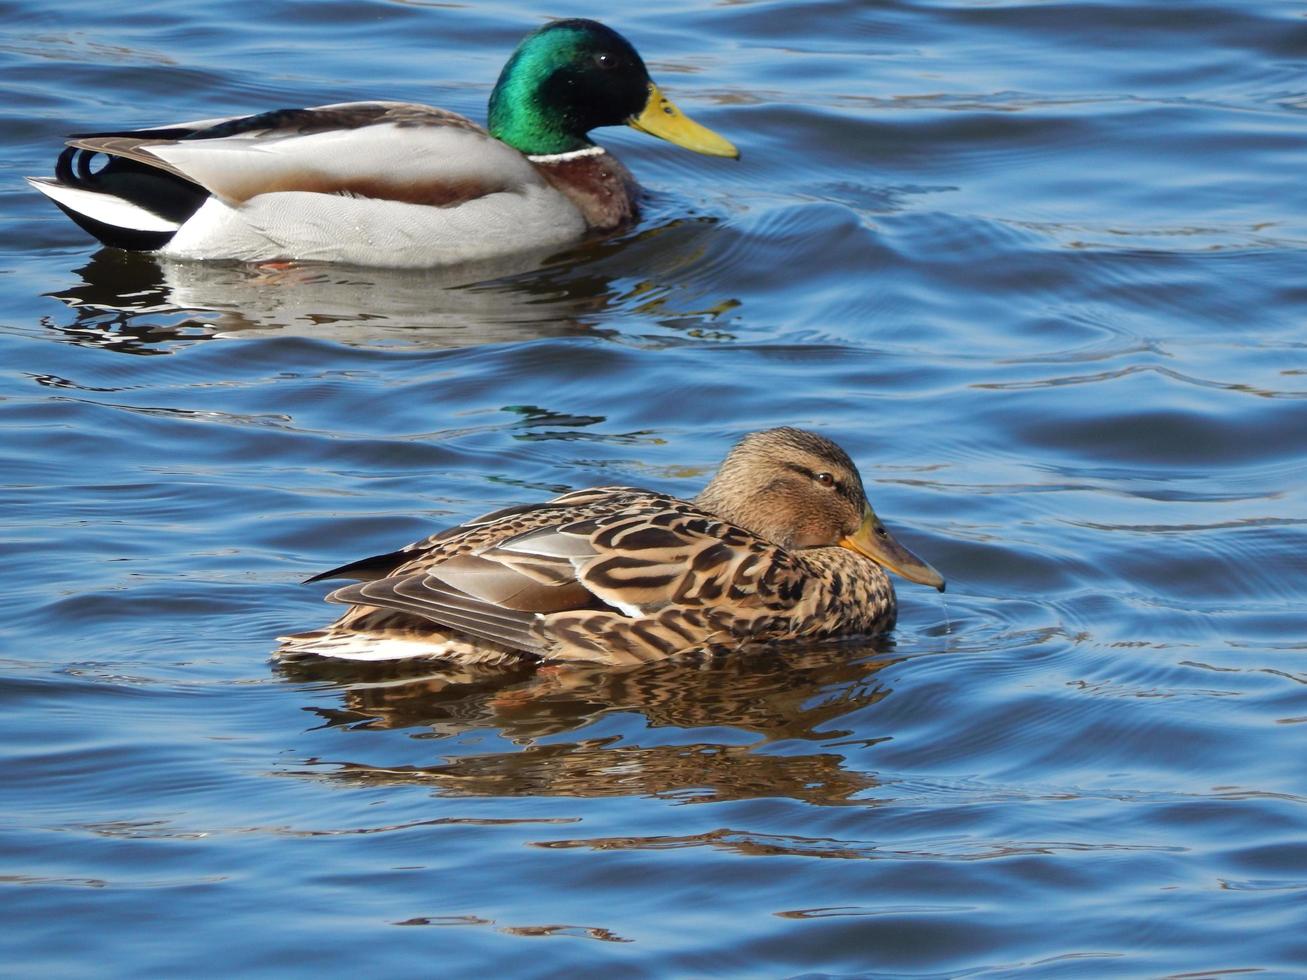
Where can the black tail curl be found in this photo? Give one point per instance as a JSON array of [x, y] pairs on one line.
[[157, 191]]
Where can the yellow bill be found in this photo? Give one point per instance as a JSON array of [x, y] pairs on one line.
[[663, 119], [873, 541]]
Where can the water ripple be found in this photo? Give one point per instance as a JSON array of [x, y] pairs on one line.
[[1038, 267]]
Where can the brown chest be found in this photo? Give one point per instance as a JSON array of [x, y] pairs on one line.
[[602, 189]]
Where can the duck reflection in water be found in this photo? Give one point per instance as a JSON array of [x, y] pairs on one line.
[[136, 303], [678, 708]]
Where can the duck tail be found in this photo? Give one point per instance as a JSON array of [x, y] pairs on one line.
[[336, 645], [374, 646], [127, 203]]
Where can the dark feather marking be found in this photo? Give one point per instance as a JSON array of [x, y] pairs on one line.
[[711, 589], [653, 643], [678, 623], [365, 569], [608, 573], [582, 528], [161, 133], [711, 557], [644, 538], [356, 115]]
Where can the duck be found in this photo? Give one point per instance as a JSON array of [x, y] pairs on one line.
[[780, 546], [393, 184]]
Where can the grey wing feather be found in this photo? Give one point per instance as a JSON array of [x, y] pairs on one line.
[[427, 597], [504, 586]]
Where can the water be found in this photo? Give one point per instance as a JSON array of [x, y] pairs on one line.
[[1037, 266]]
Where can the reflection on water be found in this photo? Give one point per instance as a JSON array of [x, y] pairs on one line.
[[788, 695], [132, 302]]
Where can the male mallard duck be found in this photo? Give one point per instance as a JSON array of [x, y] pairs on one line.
[[781, 545], [387, 183]]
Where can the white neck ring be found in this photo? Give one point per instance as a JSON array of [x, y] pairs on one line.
[[588, 151]]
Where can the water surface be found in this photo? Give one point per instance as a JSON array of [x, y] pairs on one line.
[[1037, 266]]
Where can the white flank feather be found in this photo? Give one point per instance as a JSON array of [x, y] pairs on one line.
[[364, 231]]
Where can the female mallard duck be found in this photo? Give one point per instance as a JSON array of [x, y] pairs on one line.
[[387, 183], [781, 545]]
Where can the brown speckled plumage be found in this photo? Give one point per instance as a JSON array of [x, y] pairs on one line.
[[618, 575]]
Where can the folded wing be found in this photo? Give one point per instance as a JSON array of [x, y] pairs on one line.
[[641, 582]]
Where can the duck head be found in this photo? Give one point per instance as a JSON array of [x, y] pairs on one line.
[[799, 490], [572, 76]]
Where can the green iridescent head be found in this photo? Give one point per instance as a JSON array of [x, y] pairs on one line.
[[572, 76]]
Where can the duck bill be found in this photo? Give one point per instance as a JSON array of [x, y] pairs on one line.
[[872, 541], [660, 117]]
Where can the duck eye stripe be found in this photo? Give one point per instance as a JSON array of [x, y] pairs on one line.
[[844, 488]]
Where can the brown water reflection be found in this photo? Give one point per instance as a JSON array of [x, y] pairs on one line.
[[792, 695]]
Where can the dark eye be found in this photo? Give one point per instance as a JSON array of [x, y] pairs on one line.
[[605, 60], [825, 479]]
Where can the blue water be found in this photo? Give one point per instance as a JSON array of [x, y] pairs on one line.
[[1037, 266]]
